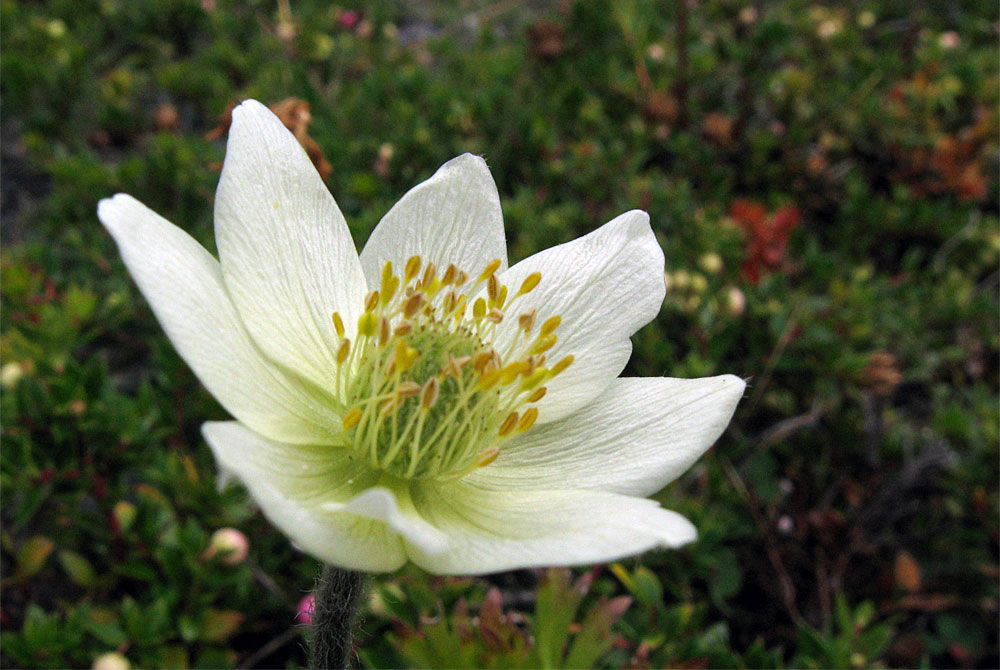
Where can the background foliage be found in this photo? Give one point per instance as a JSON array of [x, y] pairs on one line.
[[822, 177]]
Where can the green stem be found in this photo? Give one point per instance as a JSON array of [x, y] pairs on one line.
[[337, 596]]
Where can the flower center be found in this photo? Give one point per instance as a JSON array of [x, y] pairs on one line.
[[427, 393]]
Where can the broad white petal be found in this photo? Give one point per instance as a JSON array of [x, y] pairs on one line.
[[641, 434], [605, 286], [184, 287], [491, 531], [294, 484], [453, 217], [287, 257]]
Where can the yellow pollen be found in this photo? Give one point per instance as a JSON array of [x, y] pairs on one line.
[[490, 269], [371, 301], [543, 344], [352, 418], [431, 387], [528, 420], [509, 424], [487, 457], [530, 282], [537, 395], [412, 268], [550, 325], [343, 350], [562, 365]]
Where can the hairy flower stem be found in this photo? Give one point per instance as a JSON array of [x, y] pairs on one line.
[[337, 596]]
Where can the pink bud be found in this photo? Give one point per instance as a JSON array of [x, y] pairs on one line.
[[304, 612], [231, 545], [349, 19]]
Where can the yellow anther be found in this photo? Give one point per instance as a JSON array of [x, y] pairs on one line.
[[528, 420], [495, 315], [461, 278], [371, 301], [384, 331], [343, 350], [511, 372], [389, 286], [489, 379], [537, 395], [480, 360], [413, 304], [367, 323], [562, 365], [353, 418], [501, 298], [389, 406], [408, 389], [449, 274], [493, 288], [529, 283], [412, 268], [527, 320], [508, 424], [479, 308], [386, 272], [404, 328], [338, 324], [487, 457], [459, 310], [430, 393], [450, 300], [535, 378], [402, 357], [491, 267], [454, 366], [550, 325], [430, 274], [433, 288], [543, 344]]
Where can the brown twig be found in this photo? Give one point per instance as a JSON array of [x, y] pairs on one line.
[[784, 579]]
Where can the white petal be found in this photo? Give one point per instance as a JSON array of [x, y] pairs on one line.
[[491, 531], [287, 257], [184, 287], [381, 504], [294, 484], [453, 217], [637, 437], [605, 286]]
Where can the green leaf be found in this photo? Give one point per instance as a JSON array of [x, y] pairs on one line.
[[78, 568], [219, 625]]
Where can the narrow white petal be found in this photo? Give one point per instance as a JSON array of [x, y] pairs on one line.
[[294, 486], [287, 256], [605, 286], [453, 217], [184, 287], [637, 437], [492, 531]]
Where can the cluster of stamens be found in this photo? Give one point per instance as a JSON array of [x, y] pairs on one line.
[[426, 394]]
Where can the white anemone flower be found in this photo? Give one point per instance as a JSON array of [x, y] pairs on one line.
[[423, 402]]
